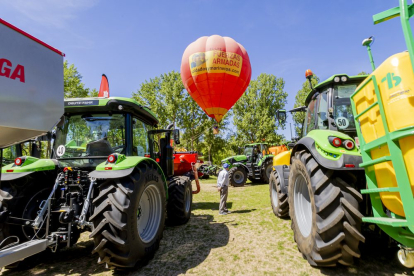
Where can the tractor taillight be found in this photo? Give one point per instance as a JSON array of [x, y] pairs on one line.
[[349, 145], [336, 142], [112, 158], [18, 161]]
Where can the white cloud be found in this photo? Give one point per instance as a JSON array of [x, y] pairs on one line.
[[53, 13]]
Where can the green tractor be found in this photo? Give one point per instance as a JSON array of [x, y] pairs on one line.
[[111, 173], [255, 164], [336, 194], [319, 183]]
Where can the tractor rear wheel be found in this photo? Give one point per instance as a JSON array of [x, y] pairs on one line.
[[267, 168], [237, 176], [129, 217], [324, 207], [279, 200], [180, 198]]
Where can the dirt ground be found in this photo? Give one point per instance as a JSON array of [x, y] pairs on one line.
[[250, 241]]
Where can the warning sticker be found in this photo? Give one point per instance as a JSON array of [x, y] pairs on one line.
[[60, 150], [215, 61]]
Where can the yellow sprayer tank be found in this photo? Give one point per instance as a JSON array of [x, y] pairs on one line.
[[395, 80]]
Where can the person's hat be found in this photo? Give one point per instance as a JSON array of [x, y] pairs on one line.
[[225, 165]]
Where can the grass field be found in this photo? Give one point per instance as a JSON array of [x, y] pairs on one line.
[[250, 241]]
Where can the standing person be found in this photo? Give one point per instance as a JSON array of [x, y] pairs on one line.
[[223, 188]]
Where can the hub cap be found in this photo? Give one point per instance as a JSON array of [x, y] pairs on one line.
[[302, 205], [149, 213], [238, 177]]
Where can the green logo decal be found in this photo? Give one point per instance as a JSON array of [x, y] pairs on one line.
[[389, 78]]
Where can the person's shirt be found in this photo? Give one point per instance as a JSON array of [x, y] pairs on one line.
[[223, 178]]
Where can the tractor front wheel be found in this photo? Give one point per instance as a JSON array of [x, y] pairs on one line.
[[279, 200], [324, 207], [180, 198], [237, 176], [129, 217]]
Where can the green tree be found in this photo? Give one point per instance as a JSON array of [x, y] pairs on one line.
[[363, 73], [168, 99], [72, 82], [213, 145], [255, 112], [299, 117]]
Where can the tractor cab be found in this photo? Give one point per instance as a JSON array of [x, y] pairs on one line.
[[93, 129], [255, 152], [328, 105]]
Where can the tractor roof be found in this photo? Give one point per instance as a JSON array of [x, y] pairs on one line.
[[351, 79], [255, 144], [83, 105]]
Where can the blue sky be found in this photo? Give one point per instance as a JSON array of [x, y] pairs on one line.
[[133, 41]]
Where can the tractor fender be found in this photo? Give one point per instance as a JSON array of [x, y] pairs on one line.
[[241, 165], [282, 158], [309, 144], [30, 165], [283, 173], [124, 168]]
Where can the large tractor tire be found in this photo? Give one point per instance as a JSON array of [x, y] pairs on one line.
[[324, 207], [237, 176], [129, 217], [180, 199], [279, 200], [14, 198], [267, 169]]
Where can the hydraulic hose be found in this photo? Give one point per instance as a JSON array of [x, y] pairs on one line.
[[196, 179]]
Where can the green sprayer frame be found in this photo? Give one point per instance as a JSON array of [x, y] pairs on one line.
[[399, 228]]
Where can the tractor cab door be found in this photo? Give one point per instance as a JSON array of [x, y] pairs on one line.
[[249, 152]]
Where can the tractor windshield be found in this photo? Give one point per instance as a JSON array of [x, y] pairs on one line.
[[90, 137], [248, 150], [344, 119]]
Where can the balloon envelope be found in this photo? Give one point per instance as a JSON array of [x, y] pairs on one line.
[[215, 71]]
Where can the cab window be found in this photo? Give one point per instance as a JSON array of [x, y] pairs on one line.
[[322, 110], [310, 117], [141, 145]]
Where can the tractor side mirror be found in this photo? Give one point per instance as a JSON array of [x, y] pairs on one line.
[[176, 134], [281, 116]]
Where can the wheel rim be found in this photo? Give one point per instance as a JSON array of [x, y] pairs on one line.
[[269, 171], [238, 177], [187, 200], [149, 213], [275, 197], [302, 204]]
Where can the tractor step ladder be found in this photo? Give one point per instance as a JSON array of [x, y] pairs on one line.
[[21, 251]]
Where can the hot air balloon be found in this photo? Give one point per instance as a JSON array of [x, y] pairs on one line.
[[215, 71]]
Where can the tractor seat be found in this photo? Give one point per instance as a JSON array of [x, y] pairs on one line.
[[100, 147]]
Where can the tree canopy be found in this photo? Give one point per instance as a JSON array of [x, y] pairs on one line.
[[73, 85], [255, 112]]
